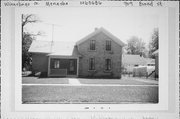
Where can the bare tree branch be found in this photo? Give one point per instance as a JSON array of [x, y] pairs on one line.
[[29, 19], [27, 39]]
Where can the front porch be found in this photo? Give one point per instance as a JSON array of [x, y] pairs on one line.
[[63, 66]]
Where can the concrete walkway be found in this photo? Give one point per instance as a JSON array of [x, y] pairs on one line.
[[74, 81]]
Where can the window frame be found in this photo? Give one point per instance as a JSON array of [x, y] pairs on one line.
[[56, 64], [91, 64], [92, 46], [108, 45], [108, 64]]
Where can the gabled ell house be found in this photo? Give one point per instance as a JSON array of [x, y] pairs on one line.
[[98, 55]]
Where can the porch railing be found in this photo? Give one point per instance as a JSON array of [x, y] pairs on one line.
[[58, 72]]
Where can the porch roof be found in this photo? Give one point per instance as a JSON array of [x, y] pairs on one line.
[[62, 56]]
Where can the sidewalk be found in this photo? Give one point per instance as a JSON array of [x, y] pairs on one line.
[[146, 80], [85, 82]]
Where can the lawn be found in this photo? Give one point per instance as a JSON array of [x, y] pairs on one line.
[[36, 80], [89, 94], [122, 81], [114, 81]]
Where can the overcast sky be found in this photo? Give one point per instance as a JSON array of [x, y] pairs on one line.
[[74, 23]]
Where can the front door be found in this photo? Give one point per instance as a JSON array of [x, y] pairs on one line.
[[72, 70]]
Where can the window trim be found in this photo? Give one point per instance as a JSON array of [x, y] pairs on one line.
[[108, 64], [56, 64], [92, 46], [91, 66], [108, 45]]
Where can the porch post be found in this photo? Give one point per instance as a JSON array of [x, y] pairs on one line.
[[78, 66]]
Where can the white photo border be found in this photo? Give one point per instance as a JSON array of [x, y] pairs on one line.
[[11, 67]]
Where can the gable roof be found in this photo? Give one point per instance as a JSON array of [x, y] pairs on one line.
[[55, 48], [114, 38], [133, 59]]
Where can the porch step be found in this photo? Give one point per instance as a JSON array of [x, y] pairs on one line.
[[71, 76]]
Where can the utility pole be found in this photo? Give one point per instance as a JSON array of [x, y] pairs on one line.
[[52, 40], [52, 37]]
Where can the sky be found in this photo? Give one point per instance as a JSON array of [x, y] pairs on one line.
[[74, 23]]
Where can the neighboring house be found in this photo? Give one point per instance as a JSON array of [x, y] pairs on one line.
[[156, 53], [137, 65], [150, 62], [130, 61], [97, 55], [150, 65]]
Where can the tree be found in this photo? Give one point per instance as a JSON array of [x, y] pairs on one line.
[[27, 39], [136, 46], [153, 44], [26, 56]]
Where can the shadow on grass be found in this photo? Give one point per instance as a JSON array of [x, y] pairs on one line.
[[39, 75]]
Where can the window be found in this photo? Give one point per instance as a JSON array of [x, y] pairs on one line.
[[108, 45], [91, 64], [108, 64], [92, 45], [56, 64], [136, 65]]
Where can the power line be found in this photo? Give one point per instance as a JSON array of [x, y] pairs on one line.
[[53, 25]]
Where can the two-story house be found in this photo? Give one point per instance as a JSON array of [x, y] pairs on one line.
[[97, 55]]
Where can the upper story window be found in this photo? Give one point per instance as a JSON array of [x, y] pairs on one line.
[[92, 64], [108, 64], [92, 45], [108, 45]]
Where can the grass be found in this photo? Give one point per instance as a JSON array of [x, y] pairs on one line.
[[36, 80], [123, 81], [89, 94], [113, 81]]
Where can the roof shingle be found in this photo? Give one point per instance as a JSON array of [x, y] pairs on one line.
[[52, 48]]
